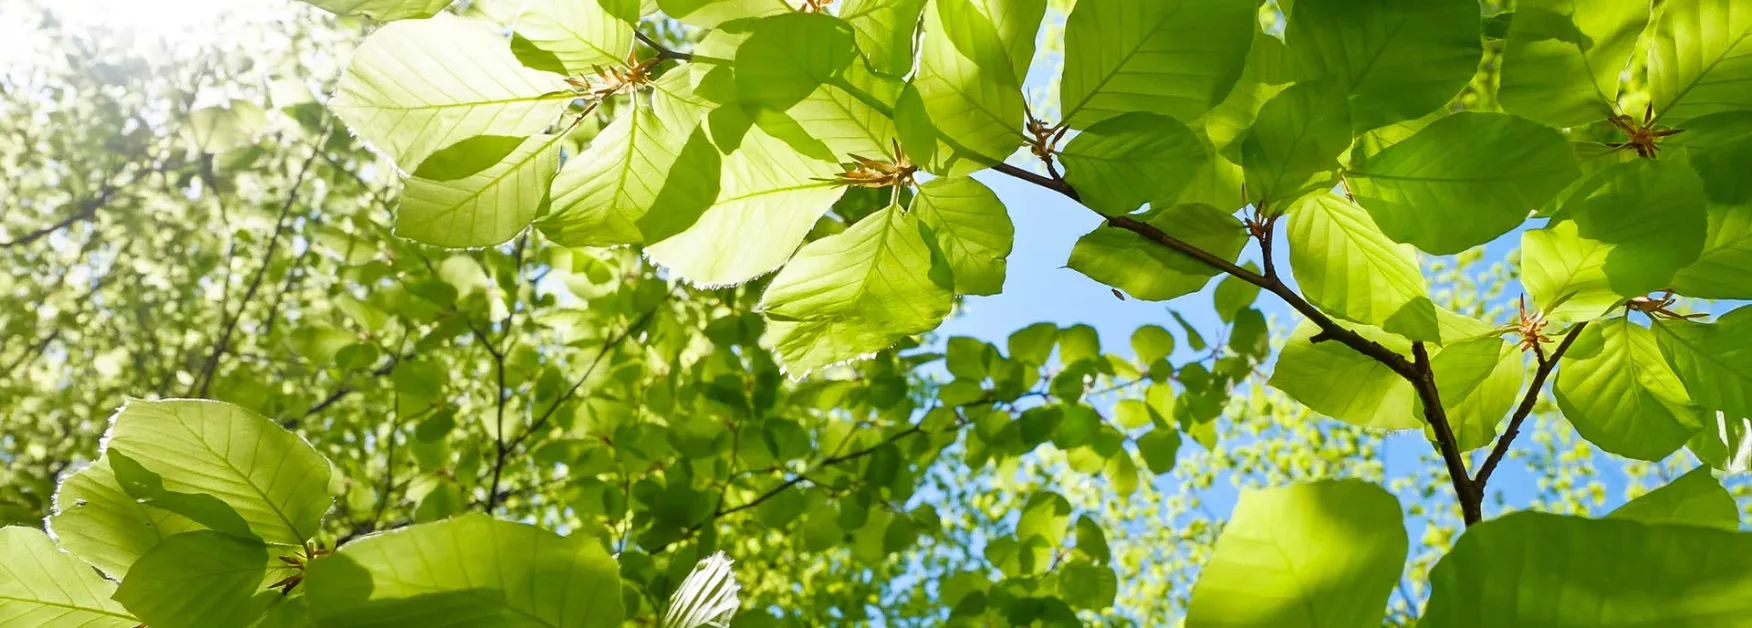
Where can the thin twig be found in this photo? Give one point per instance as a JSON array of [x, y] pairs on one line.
[[204, 379], [1546, 366]]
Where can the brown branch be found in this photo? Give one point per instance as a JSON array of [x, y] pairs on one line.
[[663, 52], [1546, 366], [1418, 373], [204, 379], [1471, 501]]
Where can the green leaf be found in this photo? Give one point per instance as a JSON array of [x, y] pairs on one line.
[[1234, 294], [1718, 147], [1017, 23], [972, 229], [1152, 272], [1033, 344], [1624, 232], [787, 57], [1160, 448], [1151, 343], [1293, 146], [1044, 522], [1512, 572], [1119, 164], [223, 129], [966, 358], [1089, 587], [98, 521], [1700, 59], [382, 10], [415, 87], [1336, 381], [1078, 343], [712, 13], [1619, 393], [43, 587], [1091, 541], [1479, 381], [1398, 59], [270, 477], [583, 35], [203, 579], [1695, 498], [1562, 58], [771, 197], [1347, 267], [645, 177], [1714, 360], [467, 206], [471, 571], [885, 30], [963, 111], [1177, 59], [1724, 269], [1463, 180], [855, 293], [1318, 554]]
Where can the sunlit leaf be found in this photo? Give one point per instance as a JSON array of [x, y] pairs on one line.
[[415, 87], [1317, 554]]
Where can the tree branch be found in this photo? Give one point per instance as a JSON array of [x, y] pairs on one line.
[[1471, 501], [1419, 374], [204, 379], [663, 52], [1546, 366]]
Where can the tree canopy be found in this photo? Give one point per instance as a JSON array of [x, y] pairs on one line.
[[626, 312]]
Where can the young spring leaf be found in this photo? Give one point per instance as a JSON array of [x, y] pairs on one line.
[[192, 454], [42, 586], [453, 203], [583, 35], [1624, 232], [1305, 555], [1177, 59], [1126, 261], [1398, 60], [1562, 58], [885, 30], [204, 579], [1294, 144], [707, 597], [493, 573], [98, 521], [1695, 498], [382, 10], [1347, 267], [963, 111], [1119, 164], [1463, 180], [1700, 59], [648, 176], [855, 293], [1724, 269], [415, 87], [1605, 571], [1714, 360], [972, 229], [771, 196]]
